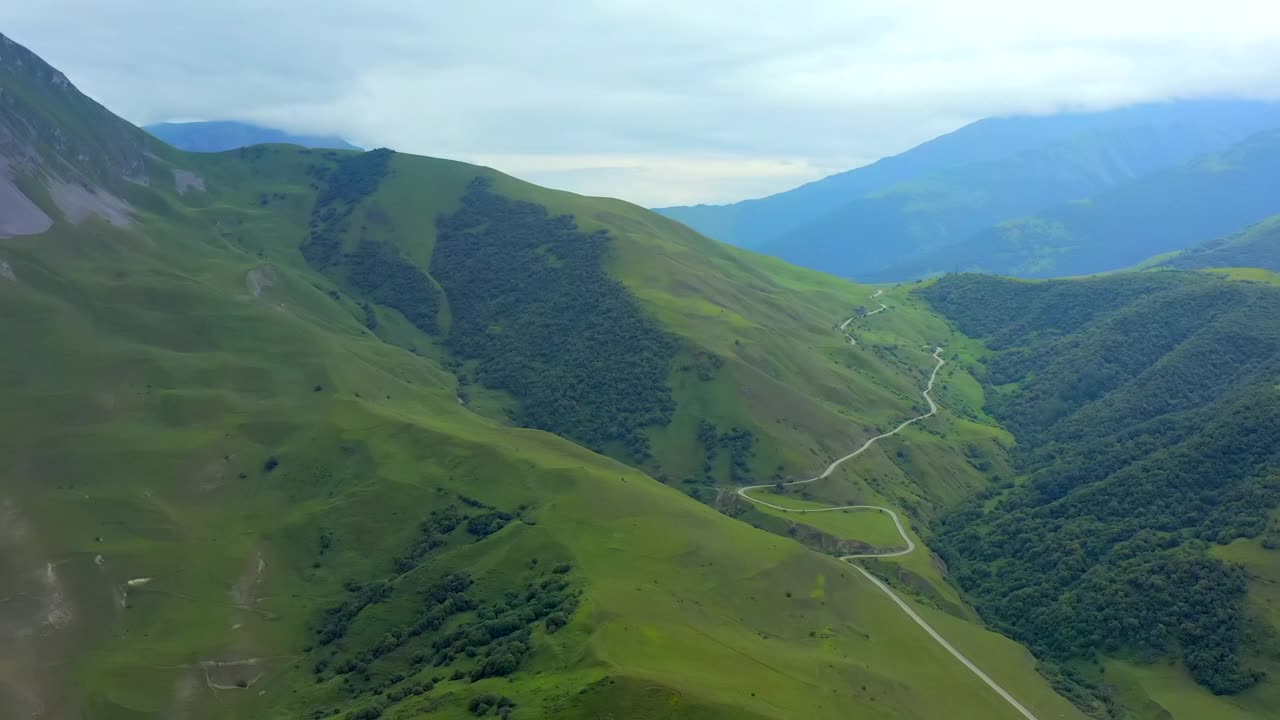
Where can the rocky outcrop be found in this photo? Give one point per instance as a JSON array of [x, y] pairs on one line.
[[98, 149]]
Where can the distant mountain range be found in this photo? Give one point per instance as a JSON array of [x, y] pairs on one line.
[[1166, 211], [956, 201], [223, 135]]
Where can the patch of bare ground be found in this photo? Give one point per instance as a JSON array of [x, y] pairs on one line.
[[186, 180], [78, 203], [18, 214], [248, 586], [260, 279]]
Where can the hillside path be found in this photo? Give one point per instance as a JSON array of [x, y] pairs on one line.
[[911, 546], [844, 325]]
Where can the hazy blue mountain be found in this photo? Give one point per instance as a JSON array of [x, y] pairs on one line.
[[918, 216], [226, 135], [1170, 210], [1256, 246], [990, 170]]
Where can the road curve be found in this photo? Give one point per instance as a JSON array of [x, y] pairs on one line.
[[911, 546], [844, 325]]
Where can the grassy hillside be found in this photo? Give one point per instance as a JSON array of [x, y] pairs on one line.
[[756, 354], [240, 463], [1142, 406], [1204, 199], [264, 457], [989, 170]]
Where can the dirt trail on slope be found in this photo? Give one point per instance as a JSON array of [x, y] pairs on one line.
[[910, 544]]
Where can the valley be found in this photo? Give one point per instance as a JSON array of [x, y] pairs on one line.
[[312, 432]]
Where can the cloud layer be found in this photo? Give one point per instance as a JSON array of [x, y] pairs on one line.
[[659, 102]]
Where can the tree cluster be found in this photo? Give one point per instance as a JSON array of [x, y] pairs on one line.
[[342, 186], [740, 445], [478, 633], [379, 270], [374, 267], [532, 302]]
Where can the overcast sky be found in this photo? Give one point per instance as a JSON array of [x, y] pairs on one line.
[[656, 101]]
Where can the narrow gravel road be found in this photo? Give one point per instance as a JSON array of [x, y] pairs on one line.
[[910, 544], [882, 308], [949, 647]]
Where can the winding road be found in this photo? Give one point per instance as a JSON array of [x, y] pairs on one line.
[[882, 308], [911, 546]]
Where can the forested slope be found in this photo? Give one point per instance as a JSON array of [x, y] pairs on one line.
[[1144, 406]]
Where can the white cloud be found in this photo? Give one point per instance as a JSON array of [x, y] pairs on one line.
[[660, 101], [683, 179]]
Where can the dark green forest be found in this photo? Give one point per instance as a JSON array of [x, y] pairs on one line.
[[534, 306], [375, 268], [1143, 405], [342, 186]]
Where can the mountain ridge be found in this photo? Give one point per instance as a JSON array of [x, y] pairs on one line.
[[752, 222], [1210, 196], [223, 135]]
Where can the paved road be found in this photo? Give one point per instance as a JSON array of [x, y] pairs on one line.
[[911, 546]]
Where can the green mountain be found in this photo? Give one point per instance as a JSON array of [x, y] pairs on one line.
[[858, 222], [299, 433], [219, 136], [1170, 210], [1257, 246], [1139, 541], [326, 434]]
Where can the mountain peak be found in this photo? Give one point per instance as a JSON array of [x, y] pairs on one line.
[[20, 59], [43, 115], [54, 135]]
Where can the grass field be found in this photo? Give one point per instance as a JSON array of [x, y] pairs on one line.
[[869, 526], [1249, 274], [1165, 692]]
